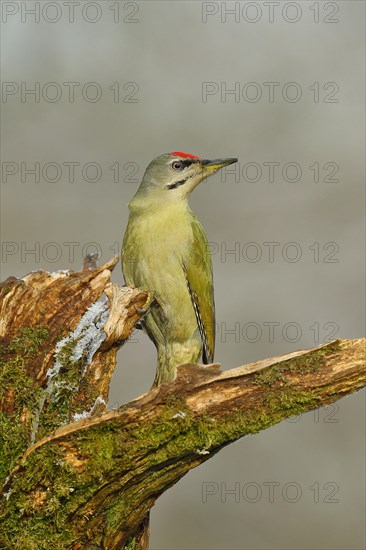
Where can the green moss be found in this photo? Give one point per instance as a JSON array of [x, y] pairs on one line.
[[170, 437], [19, 394], [139, 448], [131, 544], [31, 506], [27, 344], [303, 364], [102, 461]]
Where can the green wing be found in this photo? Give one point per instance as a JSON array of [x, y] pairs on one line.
[[198, 271]]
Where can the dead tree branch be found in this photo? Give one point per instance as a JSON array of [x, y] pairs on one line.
[[78, 476]]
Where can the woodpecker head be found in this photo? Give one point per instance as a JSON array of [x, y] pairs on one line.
[[173, 176]]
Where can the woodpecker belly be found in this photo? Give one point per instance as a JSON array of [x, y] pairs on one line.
[[156, 263]]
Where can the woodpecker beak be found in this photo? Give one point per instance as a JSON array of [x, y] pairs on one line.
[[212, 166]]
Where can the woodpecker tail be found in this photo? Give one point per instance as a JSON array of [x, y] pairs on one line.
[[173, 354]]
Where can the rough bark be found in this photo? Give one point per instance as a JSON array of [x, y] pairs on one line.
[[78, 476]]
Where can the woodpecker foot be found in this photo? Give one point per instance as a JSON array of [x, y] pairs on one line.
[[141, 310], [144, 310]]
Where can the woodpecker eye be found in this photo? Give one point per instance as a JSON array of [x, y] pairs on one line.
[[177, 165]]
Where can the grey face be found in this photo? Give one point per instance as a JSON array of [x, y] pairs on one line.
[[168, 172], [172, 177]]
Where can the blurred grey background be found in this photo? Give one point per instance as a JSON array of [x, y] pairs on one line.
[[155, 76]]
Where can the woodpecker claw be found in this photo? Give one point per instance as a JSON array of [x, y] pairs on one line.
[[142, 310]]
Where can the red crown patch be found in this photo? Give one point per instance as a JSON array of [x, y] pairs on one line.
[[183, 155]]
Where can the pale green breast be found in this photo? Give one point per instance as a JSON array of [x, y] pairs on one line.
[[154, 246], [167, 253]]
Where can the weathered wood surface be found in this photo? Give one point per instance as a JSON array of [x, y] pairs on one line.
[[78, 476]]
